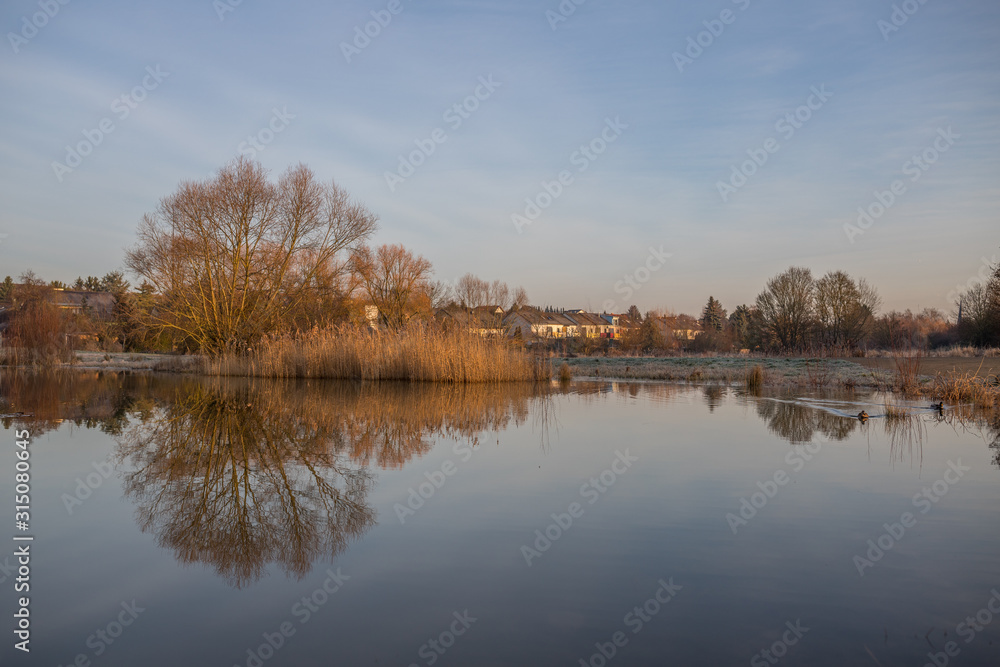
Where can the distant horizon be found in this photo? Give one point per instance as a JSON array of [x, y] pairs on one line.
[[555, 149], [981, 278]]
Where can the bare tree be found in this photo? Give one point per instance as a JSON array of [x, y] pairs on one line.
[[440, 293], [500, 295], [471, 291], [520, 299], [786, 306], [845, 308], [395, 280], [235, 254]]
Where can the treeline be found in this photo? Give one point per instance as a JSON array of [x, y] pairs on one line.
[[227, 262], [836, 313]]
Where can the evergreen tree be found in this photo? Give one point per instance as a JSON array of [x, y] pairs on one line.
[[650, 337], [7, 289], [713, 316], [115, 283], [634, 314]]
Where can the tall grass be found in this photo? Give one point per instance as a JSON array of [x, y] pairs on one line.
[[418, 353], [908, 370], [565, 373], [754, 378], [894, 412], [983, 392]]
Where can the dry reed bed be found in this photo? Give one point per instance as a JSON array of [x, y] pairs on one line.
[[417, 354], [967, 388]]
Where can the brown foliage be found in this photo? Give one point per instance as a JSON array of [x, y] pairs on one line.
[[236, 256], [37, 332], [394, 280]]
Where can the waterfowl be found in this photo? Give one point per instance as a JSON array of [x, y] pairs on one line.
[[863, 416], [937, 406]]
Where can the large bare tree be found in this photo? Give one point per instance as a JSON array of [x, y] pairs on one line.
[[235, 255], [786, 306], [845, 308]]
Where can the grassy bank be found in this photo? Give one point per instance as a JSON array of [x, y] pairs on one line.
[[773, 371], [416, 354], [958, 380]]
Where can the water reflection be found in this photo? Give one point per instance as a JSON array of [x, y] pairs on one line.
[[239, 475], [232, 478], [242, 475], [799, 423]]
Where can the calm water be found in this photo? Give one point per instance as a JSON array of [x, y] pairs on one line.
[[187, 522]]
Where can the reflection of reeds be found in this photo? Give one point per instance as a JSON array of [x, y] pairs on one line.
[[893, 412], [416, 353], [754, 379], [565, 374], [906, 436]]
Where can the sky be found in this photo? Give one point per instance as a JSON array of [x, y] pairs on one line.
[[601, 154]]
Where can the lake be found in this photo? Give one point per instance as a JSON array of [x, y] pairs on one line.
[[186, 521]]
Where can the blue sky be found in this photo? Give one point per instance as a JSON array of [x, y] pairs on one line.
[[222, 76]]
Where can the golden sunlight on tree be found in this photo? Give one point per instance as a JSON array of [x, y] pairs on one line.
[[236, 257], [395, 280]]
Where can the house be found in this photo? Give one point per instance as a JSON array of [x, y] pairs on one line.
[[592, 325], [539, 324], [679, 327], [532, 323], [484, 320], [622, 323], [100, 305]]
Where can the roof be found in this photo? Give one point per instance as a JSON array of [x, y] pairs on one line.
[[480, 318], [78, 298]]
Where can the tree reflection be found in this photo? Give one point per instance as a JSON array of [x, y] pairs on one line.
[[240, 475], [799, 424], [226, 477]]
